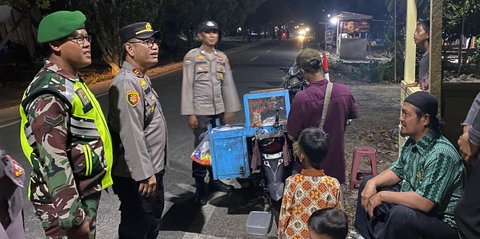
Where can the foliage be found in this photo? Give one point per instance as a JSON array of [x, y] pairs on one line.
[[172, 18], [375, 71], [456, 12], [475, 58]]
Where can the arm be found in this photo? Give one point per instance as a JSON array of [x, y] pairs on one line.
[[353, 112], [187, 91], [286, 208], [339, 197], [229, 93], [470, 139], [294, 122], [473, 111], [409, 199], [187, 86], [131, 118], [48, 116], [385, 178]]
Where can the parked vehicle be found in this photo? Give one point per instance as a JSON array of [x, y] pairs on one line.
[[293, 81]]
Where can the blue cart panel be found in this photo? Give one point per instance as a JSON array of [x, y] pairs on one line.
[[228, 147]]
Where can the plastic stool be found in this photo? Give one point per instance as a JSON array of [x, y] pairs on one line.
[[359, 152]]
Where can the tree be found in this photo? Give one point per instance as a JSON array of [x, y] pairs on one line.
[[106, 17], [457, 13]]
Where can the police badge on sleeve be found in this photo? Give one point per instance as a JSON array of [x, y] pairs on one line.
[[132, 97]]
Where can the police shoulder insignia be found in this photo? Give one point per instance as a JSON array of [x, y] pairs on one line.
[[137, 72], [143, 83], [133, 98], [17, 169]]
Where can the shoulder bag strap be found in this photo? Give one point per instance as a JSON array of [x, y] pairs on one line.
[[326, 104]]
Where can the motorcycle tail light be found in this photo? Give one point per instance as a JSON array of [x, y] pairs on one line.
[[271, 145]]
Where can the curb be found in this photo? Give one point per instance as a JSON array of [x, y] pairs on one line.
[[10, 115]]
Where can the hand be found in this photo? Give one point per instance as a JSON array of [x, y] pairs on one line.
[[369, 190], [79, 232], [413, 84], [228, 117], [148, 186], [468, 150], [464, 146], [192, 121], [374, 202]]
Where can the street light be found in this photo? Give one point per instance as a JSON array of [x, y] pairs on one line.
[[334, 20]]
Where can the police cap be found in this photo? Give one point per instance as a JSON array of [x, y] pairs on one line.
[[139, 30], [59, 24], [208, 26]]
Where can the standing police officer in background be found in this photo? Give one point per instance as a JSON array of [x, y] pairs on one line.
[[64, 134], [208, 93], [139, 133]]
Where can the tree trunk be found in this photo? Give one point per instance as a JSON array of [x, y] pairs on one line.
[[460, 46]]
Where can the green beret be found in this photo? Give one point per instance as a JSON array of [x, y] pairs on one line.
[[59, 25]]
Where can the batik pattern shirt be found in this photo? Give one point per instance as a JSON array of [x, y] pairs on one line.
[[434, 170], [304, 194]]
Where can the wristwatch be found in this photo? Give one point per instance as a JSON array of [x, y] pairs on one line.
[[79, 218]]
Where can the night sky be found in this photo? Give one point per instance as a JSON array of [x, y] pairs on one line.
[[376, 8]]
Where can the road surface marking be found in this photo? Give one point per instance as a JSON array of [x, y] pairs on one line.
[[253, 58], [9, 124], [190, 235], [268, 51]]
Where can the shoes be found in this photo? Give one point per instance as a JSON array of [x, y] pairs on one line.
[[200, 199], [200, 195], [217, 185]]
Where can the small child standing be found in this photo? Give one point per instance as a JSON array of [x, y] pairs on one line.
[[311, 189], [328, 223]]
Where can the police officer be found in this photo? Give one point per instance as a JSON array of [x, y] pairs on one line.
[[208, 93], [139, 132], [63, 132], [12, 176]]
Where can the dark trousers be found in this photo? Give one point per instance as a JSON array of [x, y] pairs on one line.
[[398, 221], [467, 213], [140, 216], [200, 171]]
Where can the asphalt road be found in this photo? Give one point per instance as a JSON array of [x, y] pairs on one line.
[[225, 215]]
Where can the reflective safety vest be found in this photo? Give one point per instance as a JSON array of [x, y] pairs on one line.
[[87, 123]]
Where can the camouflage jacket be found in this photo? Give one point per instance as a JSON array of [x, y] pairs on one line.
[[67, 166]]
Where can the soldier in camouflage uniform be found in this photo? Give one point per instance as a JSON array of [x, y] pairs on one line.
[[64, 134]]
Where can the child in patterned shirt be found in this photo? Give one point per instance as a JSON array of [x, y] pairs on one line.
[[310, 190], [329, 223]]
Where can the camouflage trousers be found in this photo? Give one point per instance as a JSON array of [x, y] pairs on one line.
[[48, 216]]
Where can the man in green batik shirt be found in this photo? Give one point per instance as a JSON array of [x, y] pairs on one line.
[[416, 196]]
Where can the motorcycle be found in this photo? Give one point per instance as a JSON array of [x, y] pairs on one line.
[[270, 149], [293, 81]]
